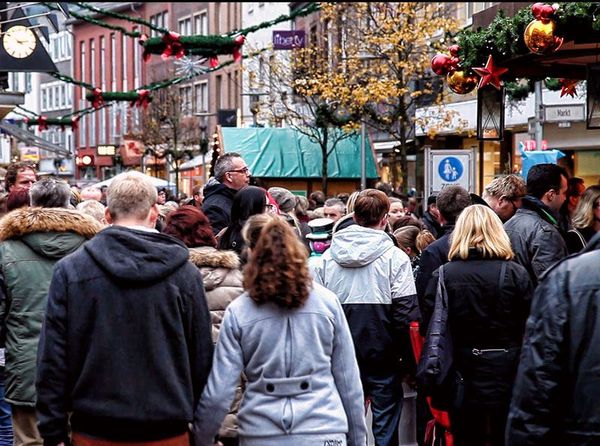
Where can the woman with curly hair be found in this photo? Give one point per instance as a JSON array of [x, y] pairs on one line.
[[290, 338]]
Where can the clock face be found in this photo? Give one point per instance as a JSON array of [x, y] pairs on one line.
[[19, 41]]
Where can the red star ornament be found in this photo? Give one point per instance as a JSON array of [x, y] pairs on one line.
[[490, 74], [568, 86]]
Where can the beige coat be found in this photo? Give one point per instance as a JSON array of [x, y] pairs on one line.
[[223, 283]]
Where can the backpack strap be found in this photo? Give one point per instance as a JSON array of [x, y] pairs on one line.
[[581, 237]]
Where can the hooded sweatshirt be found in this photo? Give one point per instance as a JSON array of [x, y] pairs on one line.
[[374, 282], [126, 344]]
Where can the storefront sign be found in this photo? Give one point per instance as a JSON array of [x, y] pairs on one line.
[[449, 168], [288, 40], [30, 154], [558, 113], [106, 150]]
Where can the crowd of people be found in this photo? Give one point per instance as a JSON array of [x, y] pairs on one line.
[[256, 317]]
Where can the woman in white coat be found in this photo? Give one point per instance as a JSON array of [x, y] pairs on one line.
[[291, 339]]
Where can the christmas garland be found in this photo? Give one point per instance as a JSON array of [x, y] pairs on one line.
[[520, 89], [503, 38]]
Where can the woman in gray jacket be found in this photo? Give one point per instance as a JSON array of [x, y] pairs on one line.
[[291, 339]]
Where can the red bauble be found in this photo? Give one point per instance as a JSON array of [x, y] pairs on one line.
[[439, 64], [454, 49]]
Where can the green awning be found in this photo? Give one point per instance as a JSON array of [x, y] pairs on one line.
[[286, 153]]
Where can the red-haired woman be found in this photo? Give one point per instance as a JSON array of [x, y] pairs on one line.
[[222, 277], [291, 339]]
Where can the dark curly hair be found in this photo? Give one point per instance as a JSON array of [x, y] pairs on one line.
[[190, 225], [277, 268]]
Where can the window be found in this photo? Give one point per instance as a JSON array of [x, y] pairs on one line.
[[27, 82], [136, 64], [201, 23], [124, 118], [63, 96], [113, 62], [93, 62], [185, 26], [44, 99], [124, 72], [92, 118], [113, 123], [82, 129], [56, 97], [201, 97], [185, 96], [102, 127], [50, 98], [160, 20], [102, 63], [82, 63], [475, 7]]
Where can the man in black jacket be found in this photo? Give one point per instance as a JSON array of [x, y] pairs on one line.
[[126, 344], [231, 175], [533, 230], [450, 202], [556, 398]]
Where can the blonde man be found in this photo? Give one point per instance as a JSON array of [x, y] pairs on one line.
[[504, 195], [126, 345]]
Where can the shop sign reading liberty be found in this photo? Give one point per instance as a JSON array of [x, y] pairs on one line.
[[448, 168]]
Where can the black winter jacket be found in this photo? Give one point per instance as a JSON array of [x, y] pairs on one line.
[[218, 199], [484, 316], [126, 344], [556, 399], [432, 257], [535, 237]]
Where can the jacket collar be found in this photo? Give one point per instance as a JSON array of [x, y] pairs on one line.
[[27, 220], [536, 205], [211, 257]]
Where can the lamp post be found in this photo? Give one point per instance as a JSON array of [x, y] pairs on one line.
[[254, 105], [204, 140], [363, 156]]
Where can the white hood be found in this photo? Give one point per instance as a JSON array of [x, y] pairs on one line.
[[357, 246]]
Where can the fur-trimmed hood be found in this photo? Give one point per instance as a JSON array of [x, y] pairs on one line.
[[211, 257], [23, 221]]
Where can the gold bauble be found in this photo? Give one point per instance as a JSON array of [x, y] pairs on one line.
[[539, 36], [461, 83]]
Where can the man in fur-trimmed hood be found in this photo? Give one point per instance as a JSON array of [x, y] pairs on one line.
[[32, 241]]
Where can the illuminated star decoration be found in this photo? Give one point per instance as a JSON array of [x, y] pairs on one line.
[[187, 67], [490, 74], [568, 86]]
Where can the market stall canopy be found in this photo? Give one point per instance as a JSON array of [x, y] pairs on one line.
[[158, 182], [286, 153]]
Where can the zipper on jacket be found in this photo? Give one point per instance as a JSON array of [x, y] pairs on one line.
[[477, 351]]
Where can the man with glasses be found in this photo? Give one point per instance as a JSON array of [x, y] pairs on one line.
[[231, 175], [533, 230], [504, 195]]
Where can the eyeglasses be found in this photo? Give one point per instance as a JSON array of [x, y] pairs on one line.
[[244, 170]]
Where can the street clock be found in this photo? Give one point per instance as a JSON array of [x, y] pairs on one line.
[[19, 41]]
